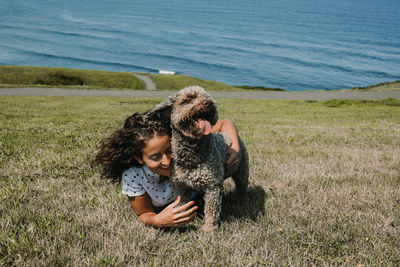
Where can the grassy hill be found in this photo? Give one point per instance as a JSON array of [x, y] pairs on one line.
[[380, 86], [29, 76], [177, 82], [324, 188]]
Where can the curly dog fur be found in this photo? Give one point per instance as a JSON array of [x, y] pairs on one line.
[[199, 157]]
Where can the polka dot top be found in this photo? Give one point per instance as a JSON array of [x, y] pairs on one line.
[[137, 181]]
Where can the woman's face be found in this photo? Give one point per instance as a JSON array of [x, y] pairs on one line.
[[157, 155]]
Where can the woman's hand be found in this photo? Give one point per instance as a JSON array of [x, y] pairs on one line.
[[174, 215]]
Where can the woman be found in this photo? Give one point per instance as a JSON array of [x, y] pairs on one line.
[[139, 155]]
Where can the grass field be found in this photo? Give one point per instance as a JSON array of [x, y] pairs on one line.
[[381, 87], [324, 188], [29, 76], [177, 82]]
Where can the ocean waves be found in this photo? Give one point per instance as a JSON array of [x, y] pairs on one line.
[[67, 60], [271, 44]]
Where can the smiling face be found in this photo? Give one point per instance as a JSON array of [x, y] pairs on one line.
[[157, 155]]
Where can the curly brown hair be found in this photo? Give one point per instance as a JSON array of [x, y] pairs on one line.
[[116, 152]]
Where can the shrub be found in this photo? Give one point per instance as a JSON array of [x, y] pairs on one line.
[[259, 88], [59, 78]]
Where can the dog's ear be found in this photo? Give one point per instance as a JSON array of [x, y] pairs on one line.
[[162, 111]]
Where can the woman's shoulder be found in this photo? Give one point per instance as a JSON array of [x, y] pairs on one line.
[[133, 171], [139, 172]]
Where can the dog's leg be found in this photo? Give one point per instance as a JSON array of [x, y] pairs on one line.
[[241, 176], [182, 192], [212, 209]]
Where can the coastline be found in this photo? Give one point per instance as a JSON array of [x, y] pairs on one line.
[[84, 79]]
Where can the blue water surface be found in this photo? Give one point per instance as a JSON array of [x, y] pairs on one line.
[[290, 44]]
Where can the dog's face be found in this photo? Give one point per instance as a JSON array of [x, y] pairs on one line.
[[194, 112]]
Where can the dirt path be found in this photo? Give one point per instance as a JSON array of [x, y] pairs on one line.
[[148, 83], [326, 95]]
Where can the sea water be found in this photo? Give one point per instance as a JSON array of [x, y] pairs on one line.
[[290, 44]]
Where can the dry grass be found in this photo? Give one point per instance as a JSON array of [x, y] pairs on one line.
[[324, 188], [394, 86]]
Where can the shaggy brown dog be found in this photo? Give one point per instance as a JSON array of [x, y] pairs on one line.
[[199, 156]]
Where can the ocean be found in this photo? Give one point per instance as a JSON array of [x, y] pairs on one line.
[[289, 44]]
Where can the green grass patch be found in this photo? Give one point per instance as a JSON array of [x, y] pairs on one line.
[[177, 82], [29, 76], [395, 85], [346, 102], [324, 188]]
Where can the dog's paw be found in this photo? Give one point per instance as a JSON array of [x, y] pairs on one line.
[[208, 228]]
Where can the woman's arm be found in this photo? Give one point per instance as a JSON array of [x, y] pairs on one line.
[[229, 128], [172, 215]]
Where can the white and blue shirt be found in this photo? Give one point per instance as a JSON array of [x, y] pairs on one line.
[[137, 181]]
